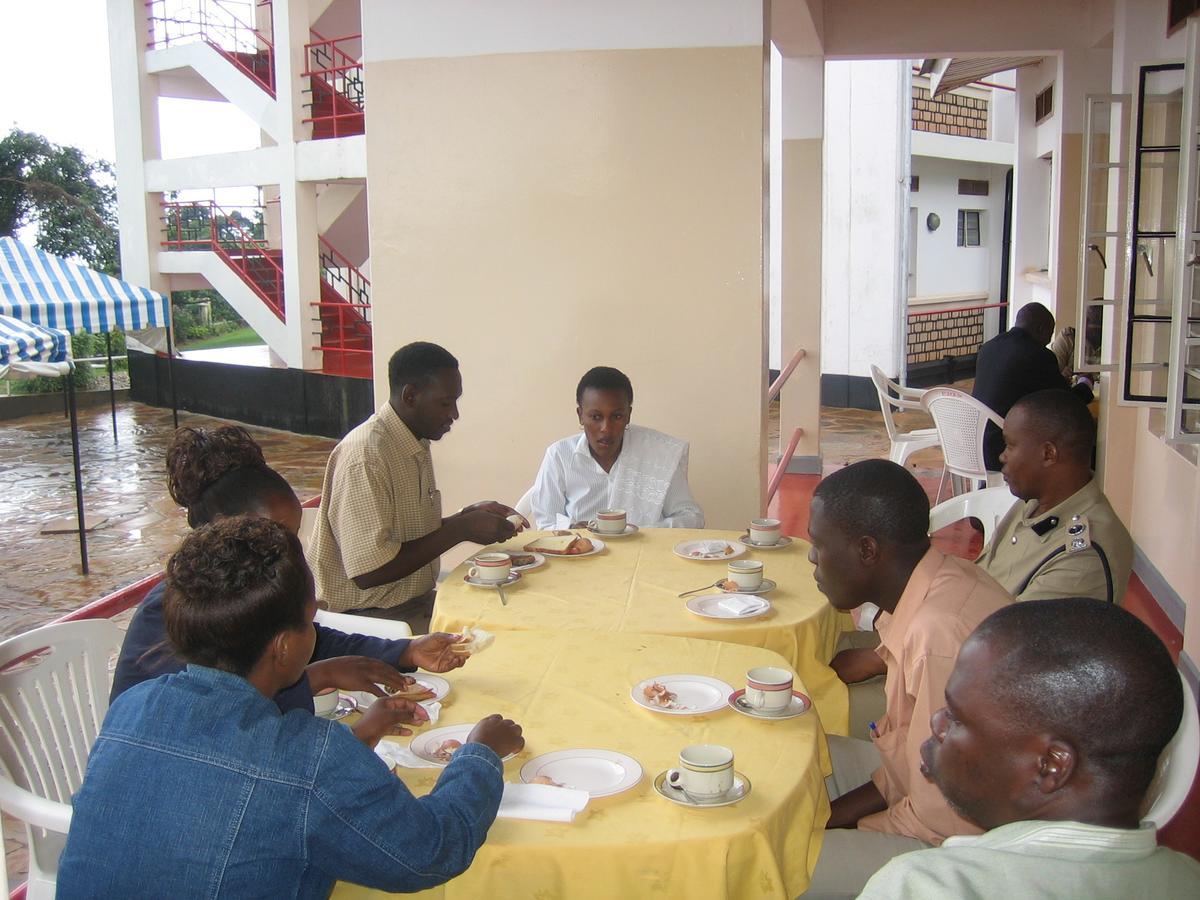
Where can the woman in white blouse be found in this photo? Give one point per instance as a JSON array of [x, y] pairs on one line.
[[613, 465]]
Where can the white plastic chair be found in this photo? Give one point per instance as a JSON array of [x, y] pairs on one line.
[[989, 506], [388, 629], [308, 524], [1176, 766], [53, 696], [904, 443], [525, 505], [960, 421]]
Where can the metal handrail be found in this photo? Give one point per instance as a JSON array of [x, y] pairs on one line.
[[781, 469], [337, 270], [341, 74], [213, 22], [777, 384]]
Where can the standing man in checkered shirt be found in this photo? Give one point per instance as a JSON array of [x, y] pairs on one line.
[[380, 532]]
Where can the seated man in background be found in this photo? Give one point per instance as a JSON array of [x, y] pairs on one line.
[[870, 542], [218, 472], [613, 465], [1055, 718], [1015, 363], [380, 531], [198, 786], [1049, 436]]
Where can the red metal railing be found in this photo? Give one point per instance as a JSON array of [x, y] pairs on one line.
[[335, 78], [220, 24], [202, 225], [344, 313]]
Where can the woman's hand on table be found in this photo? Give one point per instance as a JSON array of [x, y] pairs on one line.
[[502, 735], [857, 664], [388, 716], [432, 653], [356, 673]]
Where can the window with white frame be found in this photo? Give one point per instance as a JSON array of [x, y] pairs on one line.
[[970, 227]]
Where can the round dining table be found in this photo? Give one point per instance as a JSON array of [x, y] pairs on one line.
[[633, 584], [572, 691]]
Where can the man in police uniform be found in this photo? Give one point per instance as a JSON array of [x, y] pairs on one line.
[[1048, 438]]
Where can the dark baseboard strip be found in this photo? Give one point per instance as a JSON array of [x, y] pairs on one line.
[[849, 392], [1160, 589], [804, 465]]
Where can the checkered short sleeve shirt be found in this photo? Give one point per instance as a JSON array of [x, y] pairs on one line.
[[379, 492]]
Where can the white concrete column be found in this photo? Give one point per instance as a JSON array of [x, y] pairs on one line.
[[135, 110], [297, 200]]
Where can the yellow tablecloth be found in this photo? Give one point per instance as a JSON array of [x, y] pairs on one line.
[[572, 691], [632, 586]]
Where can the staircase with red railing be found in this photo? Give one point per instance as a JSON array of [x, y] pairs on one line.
[[344, 313], [335, 86], [202, 225], [221, 25]]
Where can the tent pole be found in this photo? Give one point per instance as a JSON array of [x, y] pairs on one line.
[[171, 375], [83, 554], [112, 390]]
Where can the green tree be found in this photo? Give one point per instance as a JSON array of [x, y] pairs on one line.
[[67, 197]]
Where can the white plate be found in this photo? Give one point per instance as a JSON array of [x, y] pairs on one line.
[[695, 695], [436, 683], [423, 745], [512, 578], [538, 561], [684, 549], [601, 773], [597, 546], [709, 606], [799, 706], [784, 541], [740, 789], [630, 529], [766, 585]]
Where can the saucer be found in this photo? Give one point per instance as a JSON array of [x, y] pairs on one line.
[[799, 706], [630, 529], [784, 541], [766, 585], [740, 789], [345, 706], [709, 606], [512, 578]]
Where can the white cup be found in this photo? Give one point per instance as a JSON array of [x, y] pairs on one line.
[[747, 574], [705, 771], [764, 532], [491, 568], [325, 702], [769, 689], [608, 521]]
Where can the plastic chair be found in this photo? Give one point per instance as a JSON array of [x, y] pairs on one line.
[[388, 629], [960, 421], [308, 525], [989, 506], [53, 696], [1176, 766], [904, 443], [525, 505]]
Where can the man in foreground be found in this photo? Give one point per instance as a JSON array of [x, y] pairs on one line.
[[1055, 718], [380, 531], [869, 529], [1048, 437], [1015, 363]]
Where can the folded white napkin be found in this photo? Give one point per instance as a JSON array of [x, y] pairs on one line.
[[542, 802], [398, 755], [714, 548], [739, 604]]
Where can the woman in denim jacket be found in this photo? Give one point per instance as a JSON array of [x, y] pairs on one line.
[[198, 786]]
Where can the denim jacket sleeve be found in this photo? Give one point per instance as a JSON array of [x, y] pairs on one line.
[[331, 643], [364, 825]]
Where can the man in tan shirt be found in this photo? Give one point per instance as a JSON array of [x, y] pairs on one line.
[[380, 530], [869, 529], [1047, 462]]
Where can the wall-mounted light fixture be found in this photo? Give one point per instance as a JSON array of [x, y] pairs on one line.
[[933, 221]]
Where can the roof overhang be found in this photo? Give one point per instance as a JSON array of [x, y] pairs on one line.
[[947, 73]]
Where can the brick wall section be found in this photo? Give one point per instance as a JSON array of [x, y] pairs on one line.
[[949, 114], [944, 334]]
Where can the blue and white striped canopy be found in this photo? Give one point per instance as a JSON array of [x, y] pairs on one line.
[[38, 287], [26, 342]]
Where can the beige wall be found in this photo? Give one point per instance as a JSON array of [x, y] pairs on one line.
[[541, 213], [801, 307]]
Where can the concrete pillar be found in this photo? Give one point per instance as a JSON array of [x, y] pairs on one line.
[[135, 109], [585, 189]]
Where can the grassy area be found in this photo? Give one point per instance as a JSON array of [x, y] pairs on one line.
[[243, 337]]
